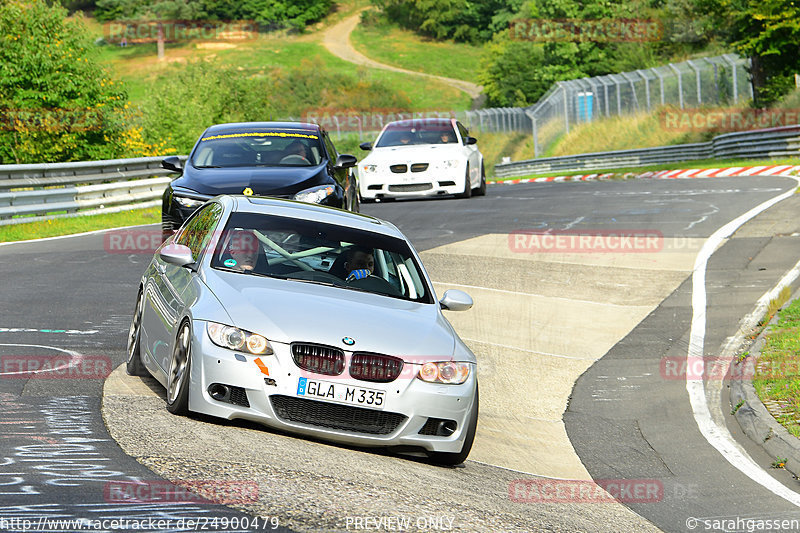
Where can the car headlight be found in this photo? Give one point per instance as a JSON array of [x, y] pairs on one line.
[[450, 163], [238, 339], [315, 195], [188, 202], [368, 169], [449, 372]]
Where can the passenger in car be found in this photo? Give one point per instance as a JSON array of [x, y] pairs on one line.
[[360, 263], [243, 251]]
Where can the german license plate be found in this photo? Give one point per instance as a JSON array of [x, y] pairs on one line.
[[339, 392]]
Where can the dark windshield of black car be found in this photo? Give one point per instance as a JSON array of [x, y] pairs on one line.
[[312, 252], [272, 148]]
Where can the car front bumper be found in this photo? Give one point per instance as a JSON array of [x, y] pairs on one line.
[[270, 387], [376, 185]]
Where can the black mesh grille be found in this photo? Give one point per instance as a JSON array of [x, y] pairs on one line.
[[419, 167], [398, 169], [335, 416], [430, 427], [318, 359], [239, 396], [433, 426], [375, 367], [411, 187]]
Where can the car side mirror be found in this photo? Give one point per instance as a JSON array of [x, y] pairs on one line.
[[172, 163], [365, 146], [177, 254], [345, 161], [472, 140], [455, 300]]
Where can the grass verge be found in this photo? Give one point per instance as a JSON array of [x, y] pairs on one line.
[[389, 44], [68, 226], [777, 374]]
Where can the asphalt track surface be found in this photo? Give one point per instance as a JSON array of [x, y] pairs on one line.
[[76, 294]]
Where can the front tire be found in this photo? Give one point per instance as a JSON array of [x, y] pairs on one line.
[[467, 187], [134, 365], [453, 459], [179, 370]]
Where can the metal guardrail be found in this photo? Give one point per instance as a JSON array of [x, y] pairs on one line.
[[50, 190], [43, 191], [757, 144]]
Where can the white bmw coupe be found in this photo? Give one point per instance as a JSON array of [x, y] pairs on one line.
[[420, 158]]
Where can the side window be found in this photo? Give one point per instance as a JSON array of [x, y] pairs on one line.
[[332, 154], [463, 132], [199, 230]]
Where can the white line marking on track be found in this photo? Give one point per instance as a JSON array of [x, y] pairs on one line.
[[76, 357], [538, 352], [602, 304], [718, 435], [58, 237], [64, 331], [573, 223]]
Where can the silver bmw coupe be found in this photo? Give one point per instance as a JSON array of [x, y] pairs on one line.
[[309, 319]]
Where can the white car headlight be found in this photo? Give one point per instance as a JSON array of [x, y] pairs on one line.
[[238, 339], [449, 372], [368, 169], [188, 202], [315, 195], [450, 163]]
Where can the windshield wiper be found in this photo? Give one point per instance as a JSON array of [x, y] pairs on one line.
[[207, 166]]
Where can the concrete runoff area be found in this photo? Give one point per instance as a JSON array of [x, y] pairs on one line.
[[301, 481], [531, 347]]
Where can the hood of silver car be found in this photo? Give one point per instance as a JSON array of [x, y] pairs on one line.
[[292, 311]]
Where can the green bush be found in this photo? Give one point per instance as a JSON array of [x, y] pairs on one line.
[[189, 98], [56, 102]]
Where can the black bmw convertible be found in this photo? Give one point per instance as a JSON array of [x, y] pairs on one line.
[[279, 159]]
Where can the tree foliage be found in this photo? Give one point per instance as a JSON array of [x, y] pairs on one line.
[[294, 13], [766, 31], [56, 102]]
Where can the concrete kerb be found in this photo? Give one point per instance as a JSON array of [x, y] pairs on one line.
[[770, 170], [756, 421]]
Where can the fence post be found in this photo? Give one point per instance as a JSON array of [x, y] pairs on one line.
[[733, 74], [680, 83], [566, 110], [646, 87], [697, 76]]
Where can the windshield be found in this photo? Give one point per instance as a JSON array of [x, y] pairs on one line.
[[312, 252], [258, 148], [417, 132]]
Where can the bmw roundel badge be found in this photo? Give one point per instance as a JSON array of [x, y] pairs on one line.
[[349, 341]]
